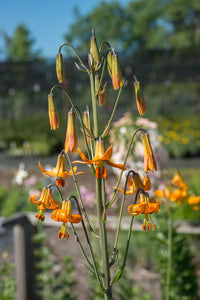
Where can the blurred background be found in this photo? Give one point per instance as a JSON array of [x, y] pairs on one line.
[[156, 40]]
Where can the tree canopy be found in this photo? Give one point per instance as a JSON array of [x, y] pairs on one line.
[[19, 47], [140, 25]]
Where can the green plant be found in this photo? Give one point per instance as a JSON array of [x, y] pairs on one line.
[[175, 255], [7, 280], [52, 284]]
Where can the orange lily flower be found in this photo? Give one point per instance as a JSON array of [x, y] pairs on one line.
[[174, 195], [141, 105], [149, 160], [60, 170], [101, 156], [178, 181], [64, 215], [177, 191], [44, 202], [144, 206], [194, 200], [135, 183]]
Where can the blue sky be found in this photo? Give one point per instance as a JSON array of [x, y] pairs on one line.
[[47, 20]]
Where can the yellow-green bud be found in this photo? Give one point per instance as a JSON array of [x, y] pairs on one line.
[[59, 68], [109, 63], [94, 48]]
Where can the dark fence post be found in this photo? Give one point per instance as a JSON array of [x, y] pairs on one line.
[[24, 258]]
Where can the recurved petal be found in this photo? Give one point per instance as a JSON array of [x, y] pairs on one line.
[[107, 154], [84, 158], [119, 166], [52, 173], [75, 219]]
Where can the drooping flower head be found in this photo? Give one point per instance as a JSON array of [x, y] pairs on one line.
[[149, 160], [65, 216], [44, 202], [60, 170], [134, 183], [53, 114], [101, 157], [147, 207], [71, 134], [141, 105]]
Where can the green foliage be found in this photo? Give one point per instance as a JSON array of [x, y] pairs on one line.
[[29, 142], [139, 25], [7, 280], [12, 200], [19, 46], [183, 281], [52, 284], [180, 136]]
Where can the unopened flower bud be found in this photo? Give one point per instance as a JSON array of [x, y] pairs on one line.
[[116, 73], [86, 121], [100, 149], [59, 68], [94, 48], [141, 105], [100, 90], [71, 134], [109, 63], [53, 114]]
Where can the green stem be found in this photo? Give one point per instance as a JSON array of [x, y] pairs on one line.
[[120, 217], [81, 248], [169, 255], [103, 241], [113, 198], [66, 94], [130, 231], [89, 244], [79, 195], [94, 105], [106, 131], [77, 55]]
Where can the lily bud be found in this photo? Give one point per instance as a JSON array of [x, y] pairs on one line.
[[116, 73], [71, 134], [101, 91], [94, 48], [59, 68], [99, 149], [141, 105], [53, 114], [86, 121], [109, 63]]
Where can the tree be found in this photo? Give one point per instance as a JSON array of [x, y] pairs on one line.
[[19, 46], [140, 25]]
